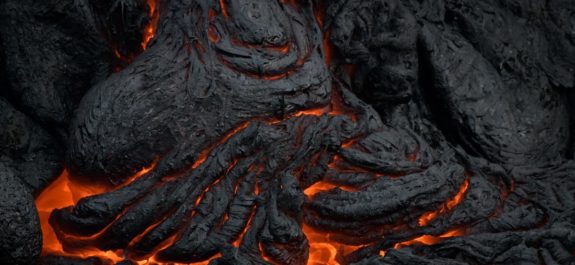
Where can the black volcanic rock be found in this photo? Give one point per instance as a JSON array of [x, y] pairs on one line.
[[379, 38], [54, 51], [34, 155], [529, 42], [20, 235], [509, 123], [58, 260], [550, 246], [190, 87], [273, 126]]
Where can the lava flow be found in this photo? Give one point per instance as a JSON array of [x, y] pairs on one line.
[[150, 29], [323, 249], [63, 193], [323, 246], [429, 216]]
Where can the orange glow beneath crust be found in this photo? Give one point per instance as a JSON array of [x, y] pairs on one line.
[[327, 48], [323, 250], [204, 154], [349, 69], [335, 108], [320, 19], [60, 194], [150, 29], [213, 35], [283, 49], [320, 14], [450, 204], [430, 240], [224, 8], [324, 186], [63, 193]]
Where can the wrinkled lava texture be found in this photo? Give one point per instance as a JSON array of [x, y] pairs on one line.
[[411, 132]]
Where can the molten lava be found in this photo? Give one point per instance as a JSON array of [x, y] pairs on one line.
[[430, 240], [150, 29], [323, 248], [450, 204], [63, 193]]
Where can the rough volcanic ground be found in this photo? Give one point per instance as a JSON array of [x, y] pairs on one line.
[[287, 132]]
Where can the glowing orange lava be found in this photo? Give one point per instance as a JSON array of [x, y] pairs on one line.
[[323, 250], [224, 8], [324, 186], [63, 193], [450, 204], [430, 240], [60, 194], [150, 29]]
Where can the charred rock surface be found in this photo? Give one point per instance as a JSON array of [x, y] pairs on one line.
[[242, 121], [34, 155], [520, 100], [520, 38], [20, 235], [248, 183], [56, 260], [550, 246], [192, 85], [54, 51], [396, 132], [377, 40], [510, 124]]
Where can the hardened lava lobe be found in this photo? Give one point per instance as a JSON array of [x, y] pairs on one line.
[[260, 59]]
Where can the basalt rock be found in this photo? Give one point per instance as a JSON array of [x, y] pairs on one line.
[[190, 86], [239, 114], [526, 51], [515, 124], [20, 235], [56, 260], [550, 246], [34, 155], [375, 132], [379, 38], [54, 51]]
